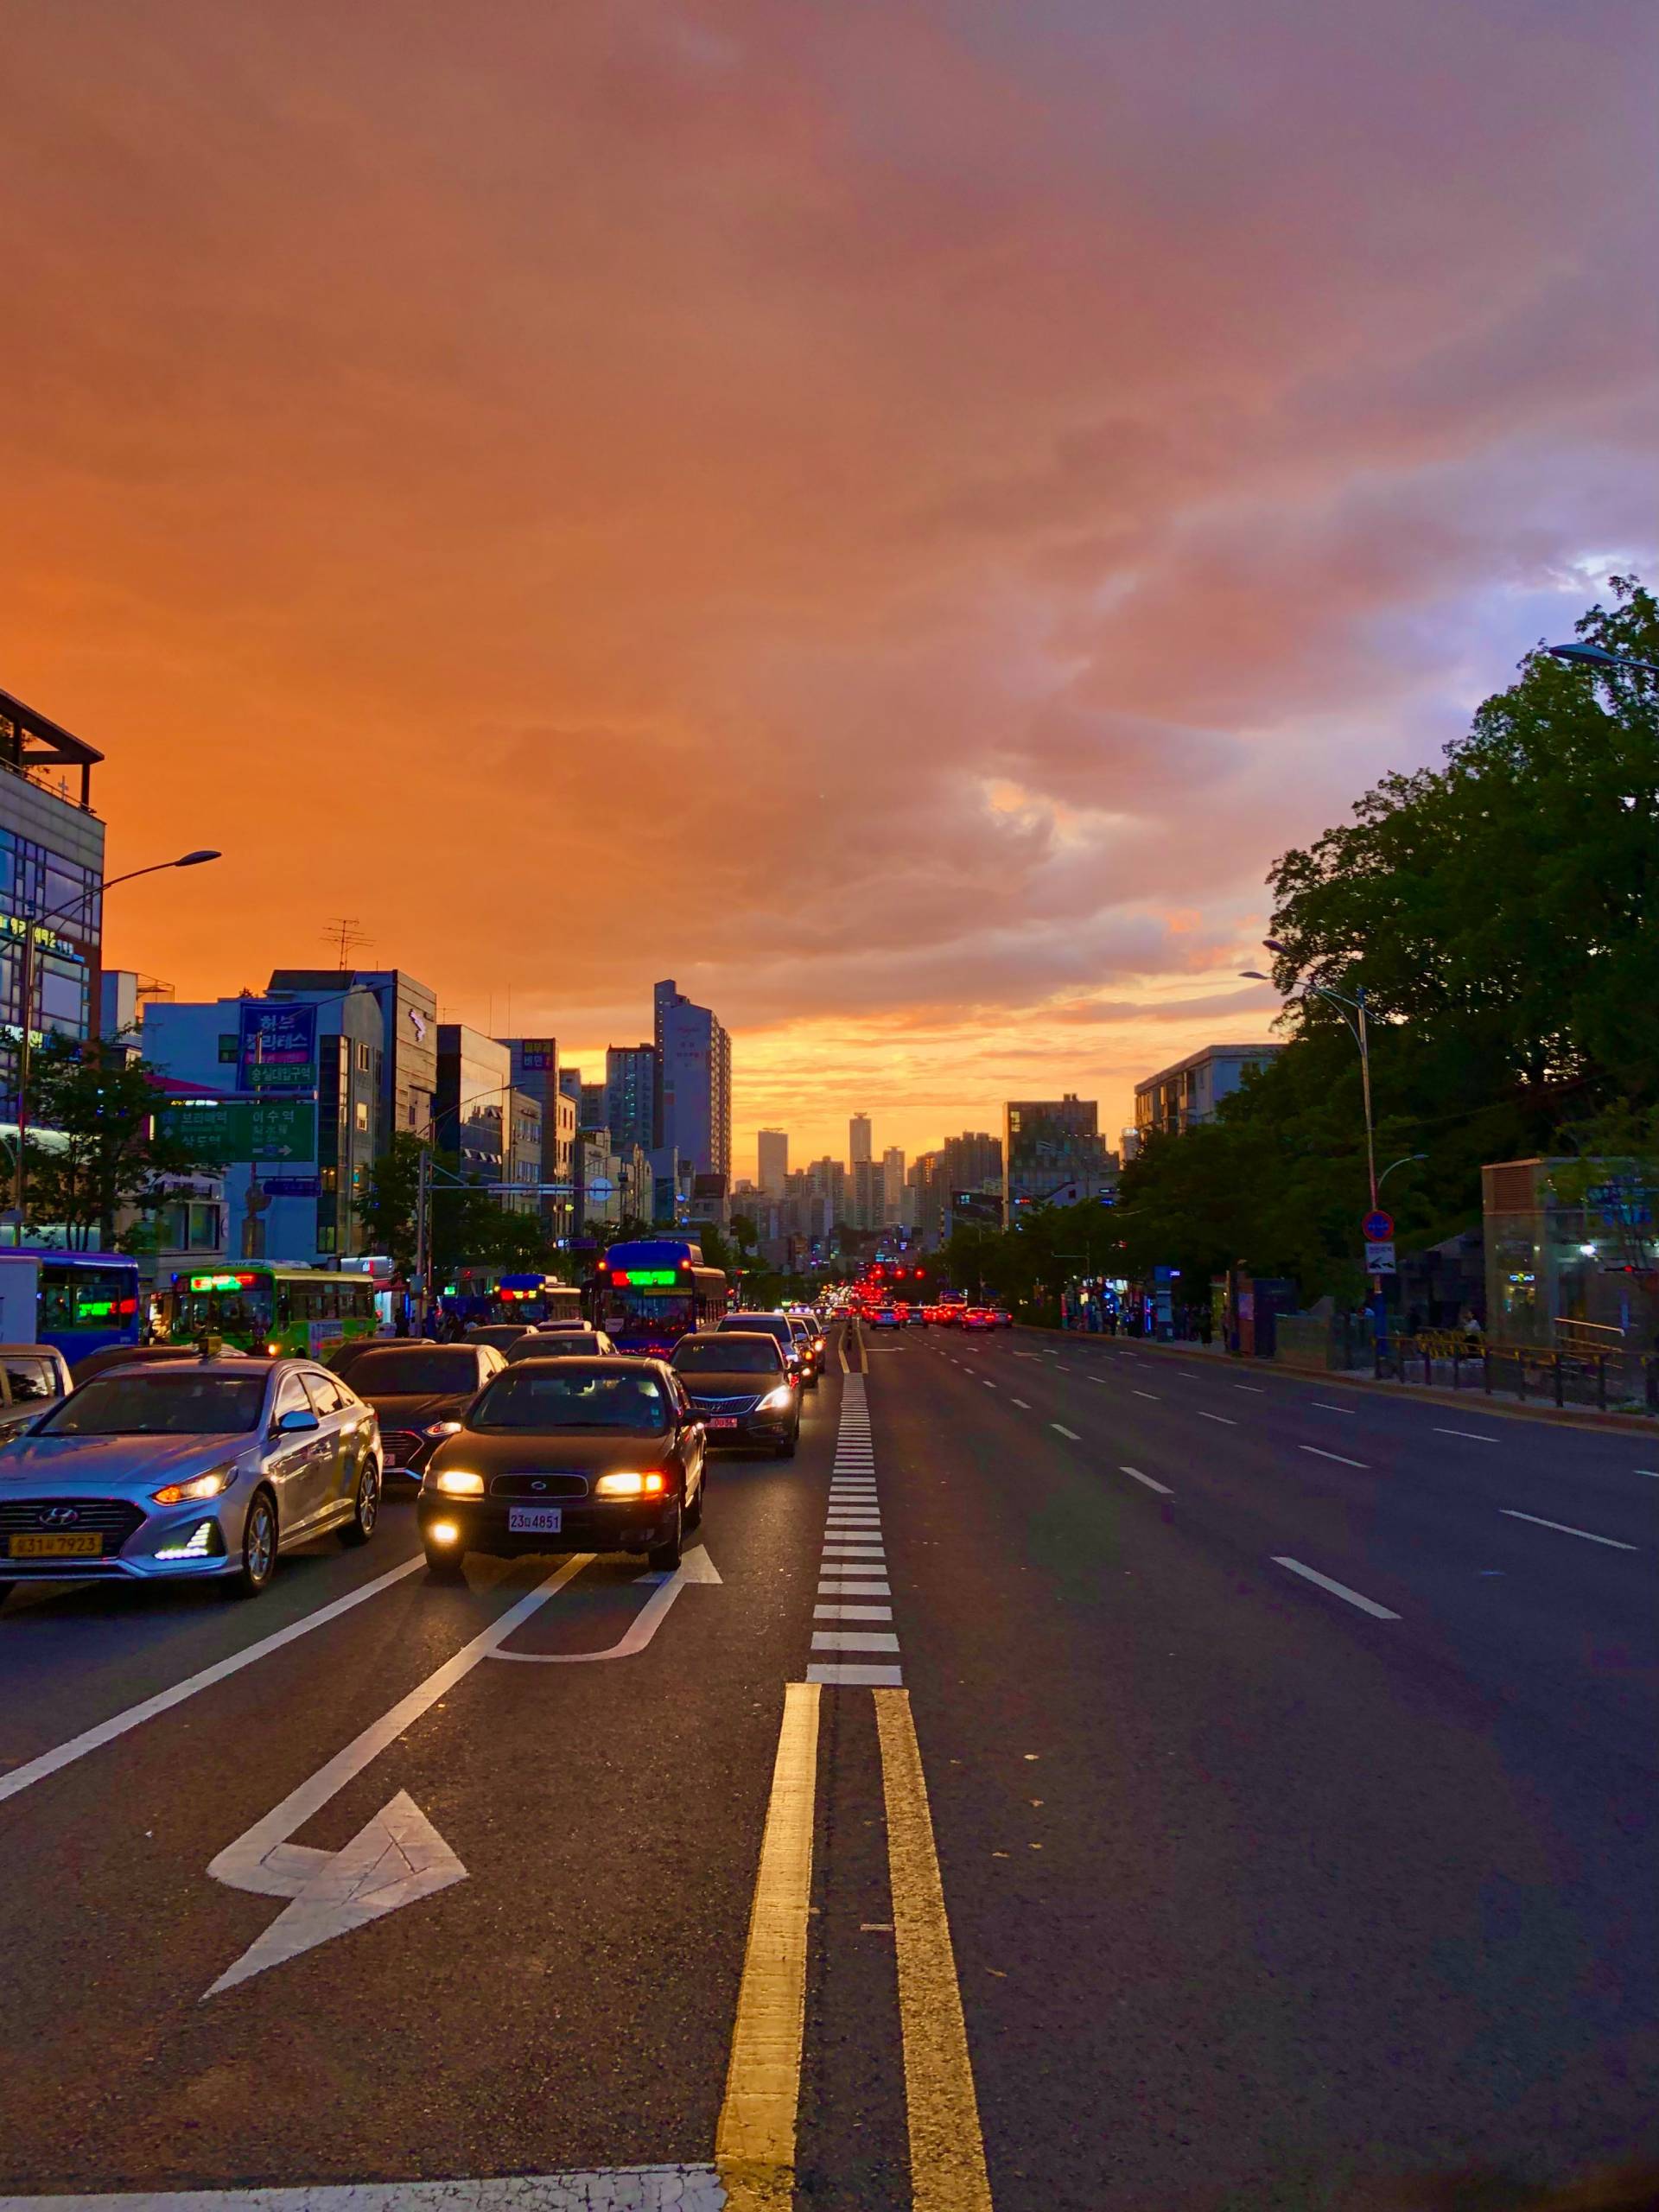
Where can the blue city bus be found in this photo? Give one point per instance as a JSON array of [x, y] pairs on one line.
[[79, 1302], [647, 1294]]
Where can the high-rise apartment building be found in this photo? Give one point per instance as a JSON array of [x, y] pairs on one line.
[[630, 1095], [694, 1083], [1052, 1147], [892, 1181], [773, 1148], [858, 1139], [973, 1161], [1180, 1097], [536, 1075]]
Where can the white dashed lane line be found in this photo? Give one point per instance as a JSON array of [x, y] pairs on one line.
[[1325, 1408], [1338, 1457], [1469, 1435], [1337, 1589], [1021, 1402], [1135, 1474], [1226, 1420], [1588, 1535], [1152, 1395], [1064, 1431]]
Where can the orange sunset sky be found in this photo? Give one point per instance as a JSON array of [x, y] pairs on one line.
[[892, 515]]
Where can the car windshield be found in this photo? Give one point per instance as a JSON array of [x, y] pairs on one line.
[[573, 1344], [764, 1324], [733, 1355], [416, 1374], [567, 1395], [164, 1404]]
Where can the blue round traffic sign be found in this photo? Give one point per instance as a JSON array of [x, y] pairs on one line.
[[1378, 1227]]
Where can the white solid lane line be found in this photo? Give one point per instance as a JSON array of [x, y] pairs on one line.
[[1226, 1420], [1340, 1458], [1589, 1534], [92, 1740], [1469, 1435], [1337, 1589], [1064, 1431], [1162, 1489], [618, 2188], [1023, 1407]]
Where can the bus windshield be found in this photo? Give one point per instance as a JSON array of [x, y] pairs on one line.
[[230, 1304]]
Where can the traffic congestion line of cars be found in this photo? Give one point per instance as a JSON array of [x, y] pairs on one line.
[[167, 1462], [896, 1315]]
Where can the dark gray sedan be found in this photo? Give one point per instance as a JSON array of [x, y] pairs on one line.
[[197, 1471]]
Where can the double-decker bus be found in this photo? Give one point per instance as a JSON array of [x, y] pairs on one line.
[[648, 1294], [260, 1306], [79, 1302]]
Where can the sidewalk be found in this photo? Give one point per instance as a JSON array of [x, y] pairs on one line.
[[1501, 1403]]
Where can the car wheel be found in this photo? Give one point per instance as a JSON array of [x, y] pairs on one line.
[[365, 1509], [663, 1557], [259, 1547], [787, 1451], [445, 1567]]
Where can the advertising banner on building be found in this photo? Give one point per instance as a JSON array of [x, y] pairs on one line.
[[277, 1047]]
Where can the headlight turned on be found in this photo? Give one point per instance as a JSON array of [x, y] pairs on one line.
[[441, 1428], [457, 1482], [627, 1485], [213, 1484], [778, 1401]]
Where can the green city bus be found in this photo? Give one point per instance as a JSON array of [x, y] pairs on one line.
[[261, 1307]]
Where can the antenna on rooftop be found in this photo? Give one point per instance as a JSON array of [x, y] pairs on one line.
[[346, 936]]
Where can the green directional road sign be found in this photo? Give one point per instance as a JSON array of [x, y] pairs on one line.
[[244, 1129]]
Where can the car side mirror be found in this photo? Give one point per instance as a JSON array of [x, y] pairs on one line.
[[295, 1421]]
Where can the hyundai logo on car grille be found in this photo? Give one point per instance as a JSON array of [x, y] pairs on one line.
[[60, 1517]]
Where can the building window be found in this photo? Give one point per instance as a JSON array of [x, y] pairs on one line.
[[325, 1236], [362, 1059], [229, 1048], [363, 1116]]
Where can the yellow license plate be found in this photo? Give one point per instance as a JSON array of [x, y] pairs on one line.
[[88, 1545]]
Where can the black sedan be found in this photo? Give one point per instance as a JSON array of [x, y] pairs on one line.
[[562, 1455], [743, 1388], [420, 1392]]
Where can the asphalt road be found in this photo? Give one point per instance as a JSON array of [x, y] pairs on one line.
[[1201, 1790]]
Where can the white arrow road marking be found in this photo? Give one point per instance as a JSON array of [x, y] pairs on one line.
[[339, 1885], [399, 1857], [696, 1567]]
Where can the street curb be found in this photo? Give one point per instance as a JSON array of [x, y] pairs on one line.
[[1579, 1417]]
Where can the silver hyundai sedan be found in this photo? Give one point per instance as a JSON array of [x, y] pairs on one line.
[[200, 1469]]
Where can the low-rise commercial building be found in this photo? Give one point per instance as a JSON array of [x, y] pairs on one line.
[[1182, 1096]]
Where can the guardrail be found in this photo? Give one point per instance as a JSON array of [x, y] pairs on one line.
[[1439, 1358]]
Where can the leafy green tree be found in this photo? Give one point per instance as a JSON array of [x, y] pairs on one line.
[[1498, 913], [105, 1154], [469, 1225], [390, 1194]]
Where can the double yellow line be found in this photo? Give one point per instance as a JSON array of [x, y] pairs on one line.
[[754, 2140]]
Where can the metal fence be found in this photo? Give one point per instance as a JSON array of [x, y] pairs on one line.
[[1624, 1381]]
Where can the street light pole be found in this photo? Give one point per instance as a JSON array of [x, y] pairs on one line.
[[1358, 1030], [25, 1042]]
